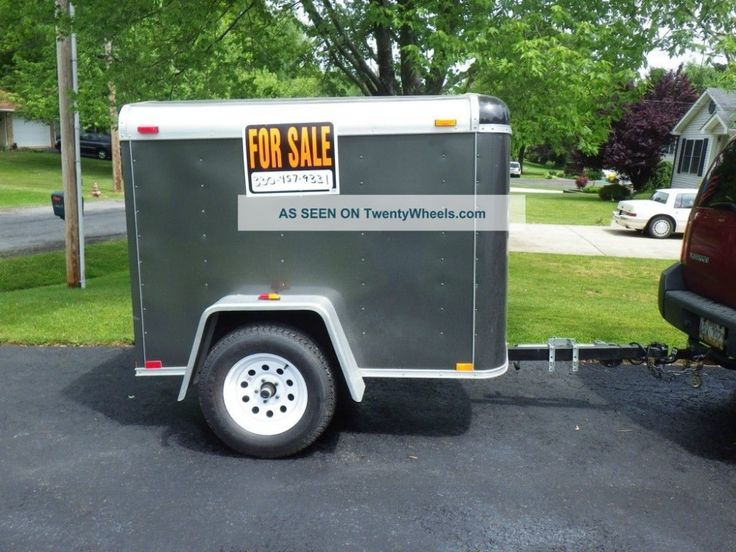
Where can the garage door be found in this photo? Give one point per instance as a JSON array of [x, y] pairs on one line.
[[30, 134]]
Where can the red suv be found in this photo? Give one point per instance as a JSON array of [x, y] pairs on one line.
[[698, 295]]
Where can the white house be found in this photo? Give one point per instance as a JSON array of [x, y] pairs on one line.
[[701, 133], [17, 131]]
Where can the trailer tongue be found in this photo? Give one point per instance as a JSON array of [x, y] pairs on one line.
[[657, 357]]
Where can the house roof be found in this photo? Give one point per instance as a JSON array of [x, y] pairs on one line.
[[5, 103], [725, 101]]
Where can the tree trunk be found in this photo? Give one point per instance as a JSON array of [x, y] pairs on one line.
[[522, 151], [385, 58], [411, 78], [112, 106]]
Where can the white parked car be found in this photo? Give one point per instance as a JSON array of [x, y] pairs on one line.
[[665, 213], [515, 169]]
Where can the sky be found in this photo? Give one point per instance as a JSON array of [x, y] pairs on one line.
[[661, 59]]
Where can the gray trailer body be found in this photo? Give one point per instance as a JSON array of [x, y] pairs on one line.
[[400, 304]]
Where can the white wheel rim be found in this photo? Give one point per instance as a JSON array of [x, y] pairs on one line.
[[661, 227], [265, 394]]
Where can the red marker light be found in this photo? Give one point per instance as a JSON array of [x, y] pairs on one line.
[[147, 130], [269, 297], [154, 364]]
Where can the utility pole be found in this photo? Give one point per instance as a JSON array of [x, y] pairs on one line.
[[70, 167]]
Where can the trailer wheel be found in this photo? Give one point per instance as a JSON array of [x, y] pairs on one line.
[[267, 391]]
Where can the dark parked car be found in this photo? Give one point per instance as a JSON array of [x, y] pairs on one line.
[[93, 144], [698, 295]]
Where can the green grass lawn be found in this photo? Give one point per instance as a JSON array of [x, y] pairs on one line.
[[536, 170], [38, 309], [568, 209], [27, 178], [585, 298]]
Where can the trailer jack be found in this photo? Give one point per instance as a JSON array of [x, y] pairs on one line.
[[658, 358]]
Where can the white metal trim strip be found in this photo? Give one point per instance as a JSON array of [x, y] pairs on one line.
[[352, 116], [315, 303], [165, 371], [137, 250], [419, 373]]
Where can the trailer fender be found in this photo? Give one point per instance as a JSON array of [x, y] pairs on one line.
[[318, 304]]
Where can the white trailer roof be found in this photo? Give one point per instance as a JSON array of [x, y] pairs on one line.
[[350, 116]]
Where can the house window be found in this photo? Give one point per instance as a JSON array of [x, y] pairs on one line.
[[692, 156], [671, 148]]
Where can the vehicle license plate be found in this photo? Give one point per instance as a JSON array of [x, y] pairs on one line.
[[713, 334]]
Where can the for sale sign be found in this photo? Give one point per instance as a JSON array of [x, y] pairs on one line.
[[290, 159]]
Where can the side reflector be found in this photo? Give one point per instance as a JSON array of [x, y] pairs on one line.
[[464, 366], [147, 130], [445, 122], [269, 297], [154, 364]]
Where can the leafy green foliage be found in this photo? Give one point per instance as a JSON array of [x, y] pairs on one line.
[[661, 177], [149, 50], [613, 192]]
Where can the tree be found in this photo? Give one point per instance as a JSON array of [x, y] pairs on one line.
[[560, 88], [706, 25], [435, 46], [638, 139], [559, 65], [133, 50], [712, 75]]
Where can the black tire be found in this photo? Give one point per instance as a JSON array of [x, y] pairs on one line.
[[102, 154], [660, 227], [302, 355]]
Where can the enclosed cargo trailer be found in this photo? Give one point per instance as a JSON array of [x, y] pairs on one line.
[[269, 322]]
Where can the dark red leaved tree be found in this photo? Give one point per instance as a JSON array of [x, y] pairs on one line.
[[639, 138]]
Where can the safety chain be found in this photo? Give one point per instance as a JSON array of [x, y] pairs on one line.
[[657, 366]]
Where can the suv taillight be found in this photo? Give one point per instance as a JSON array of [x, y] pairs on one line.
[[686, 237]]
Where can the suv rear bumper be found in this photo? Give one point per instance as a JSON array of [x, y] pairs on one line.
[[684, 309]]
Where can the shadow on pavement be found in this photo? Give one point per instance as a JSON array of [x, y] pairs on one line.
[[394, 407], [702, 421]]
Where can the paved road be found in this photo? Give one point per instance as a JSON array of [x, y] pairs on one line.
[[37, 229], [94, 459]]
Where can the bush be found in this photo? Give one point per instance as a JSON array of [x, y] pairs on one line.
[[591, 190], [551, 174], [594, 174], [661, 177], [613, 192], [581, 181]]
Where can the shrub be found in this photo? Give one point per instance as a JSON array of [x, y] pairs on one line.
[[661, 177], [594, 174], [613, 192], [591, 190], [581, 181], [551, 174]]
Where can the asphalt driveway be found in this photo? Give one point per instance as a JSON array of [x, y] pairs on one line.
[[95, 459]]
